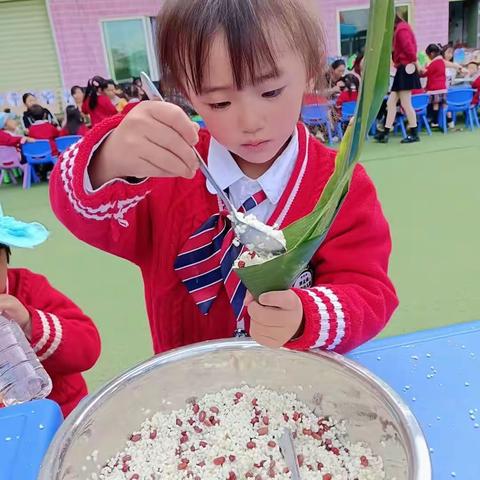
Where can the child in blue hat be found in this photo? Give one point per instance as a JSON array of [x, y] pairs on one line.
[[65, 340], [7, 139]]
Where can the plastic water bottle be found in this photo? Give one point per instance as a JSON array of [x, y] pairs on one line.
[[22, 376]]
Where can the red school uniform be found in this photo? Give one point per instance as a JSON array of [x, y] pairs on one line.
[[436, 74], [43, 130], [7, 140], [149, 222], [476, 86], [65, 340], [404, 45], [347, 96], [104, 109], [82, 131]]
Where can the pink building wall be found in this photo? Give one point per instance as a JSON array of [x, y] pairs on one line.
[[77, 29]]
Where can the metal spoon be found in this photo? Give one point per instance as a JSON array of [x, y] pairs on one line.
[[287, 448], [256, 239]]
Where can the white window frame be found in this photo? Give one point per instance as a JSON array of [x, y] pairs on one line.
[[148, 35], [366, 6]]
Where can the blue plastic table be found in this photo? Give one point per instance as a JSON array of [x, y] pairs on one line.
[[25, 434], [437, 372]]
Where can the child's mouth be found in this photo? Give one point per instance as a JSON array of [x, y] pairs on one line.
[[256, 144]]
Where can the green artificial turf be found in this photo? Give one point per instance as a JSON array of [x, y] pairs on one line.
[[430, 196]]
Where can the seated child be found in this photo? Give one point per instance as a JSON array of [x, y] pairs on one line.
[[7, 138], [65, 340], [436, 74], [134, 95], [350, 90], [131, 187], [41, 128], [74, 123]]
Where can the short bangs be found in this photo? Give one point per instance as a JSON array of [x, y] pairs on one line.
[[186, 29]]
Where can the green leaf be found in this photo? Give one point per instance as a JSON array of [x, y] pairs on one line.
[[305, 236]]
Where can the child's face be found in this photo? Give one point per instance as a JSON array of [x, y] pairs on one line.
[[11, 125], [253, 123], [30, 101], [78, 95], [472, 69], [3, 271], [110, 91]]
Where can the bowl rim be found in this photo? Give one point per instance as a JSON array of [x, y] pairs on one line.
[[418, 450]]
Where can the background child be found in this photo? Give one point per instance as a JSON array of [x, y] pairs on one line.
[[29, 99], [139, 196], [74, 123], [41, 129], [436, 75], [97, 104], [63, 337], [134, 95], [349, 92], [7, 137]]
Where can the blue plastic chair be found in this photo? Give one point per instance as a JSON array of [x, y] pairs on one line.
[[475, 115], [318, 116], [348, 111], [64, 142], [458, 100], [36, 153], [420, 104]]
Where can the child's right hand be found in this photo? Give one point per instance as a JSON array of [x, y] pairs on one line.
[[154, 140]]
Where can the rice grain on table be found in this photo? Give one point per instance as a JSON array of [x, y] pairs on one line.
[[233, 435]]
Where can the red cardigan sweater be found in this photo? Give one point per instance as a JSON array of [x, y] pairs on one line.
[[147, 223], [104, 109], [404, 45], [436, 74], [7, 140], [65, 340]]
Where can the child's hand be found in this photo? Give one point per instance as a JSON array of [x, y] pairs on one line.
[[276, 318], [154, 140], [13, 309]]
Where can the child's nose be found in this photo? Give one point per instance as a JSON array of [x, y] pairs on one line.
[[249, 121]]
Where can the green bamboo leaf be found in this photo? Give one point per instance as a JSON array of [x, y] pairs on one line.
[[305, 236]]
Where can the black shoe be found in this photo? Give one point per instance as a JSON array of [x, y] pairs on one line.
[[382, 137], [411, 139]]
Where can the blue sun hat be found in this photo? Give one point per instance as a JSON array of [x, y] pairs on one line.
[[15, 233]]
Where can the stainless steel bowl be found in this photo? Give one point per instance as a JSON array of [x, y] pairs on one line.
[[341, 388]]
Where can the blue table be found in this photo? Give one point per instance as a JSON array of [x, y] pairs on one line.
[[25, 434], [437, 373]]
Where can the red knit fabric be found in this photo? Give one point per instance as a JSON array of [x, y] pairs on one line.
[[404, 45], [436, 74], [7, 140], [149, 222], [64, 338], [45, 131], [104, 109]]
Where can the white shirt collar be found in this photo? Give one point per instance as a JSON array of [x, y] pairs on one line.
[[39, 122], [273, 182]]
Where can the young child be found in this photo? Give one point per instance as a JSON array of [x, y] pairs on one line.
[[74, 123], [97, 103], [29, 99], [7, 136], [131, 186], [134, 95], [436, 73], [41, 129], [350, 92], [63, 337]]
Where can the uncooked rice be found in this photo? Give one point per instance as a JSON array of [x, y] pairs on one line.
[[233, 434]]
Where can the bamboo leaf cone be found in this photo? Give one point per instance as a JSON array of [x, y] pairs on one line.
[[305, 236]]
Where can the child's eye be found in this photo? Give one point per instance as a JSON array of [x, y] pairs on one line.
[[273, 93], [219, 106]]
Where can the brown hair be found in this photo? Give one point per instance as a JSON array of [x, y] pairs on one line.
[[186, 29]]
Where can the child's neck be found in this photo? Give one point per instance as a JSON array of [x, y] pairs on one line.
[[256, 170]]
